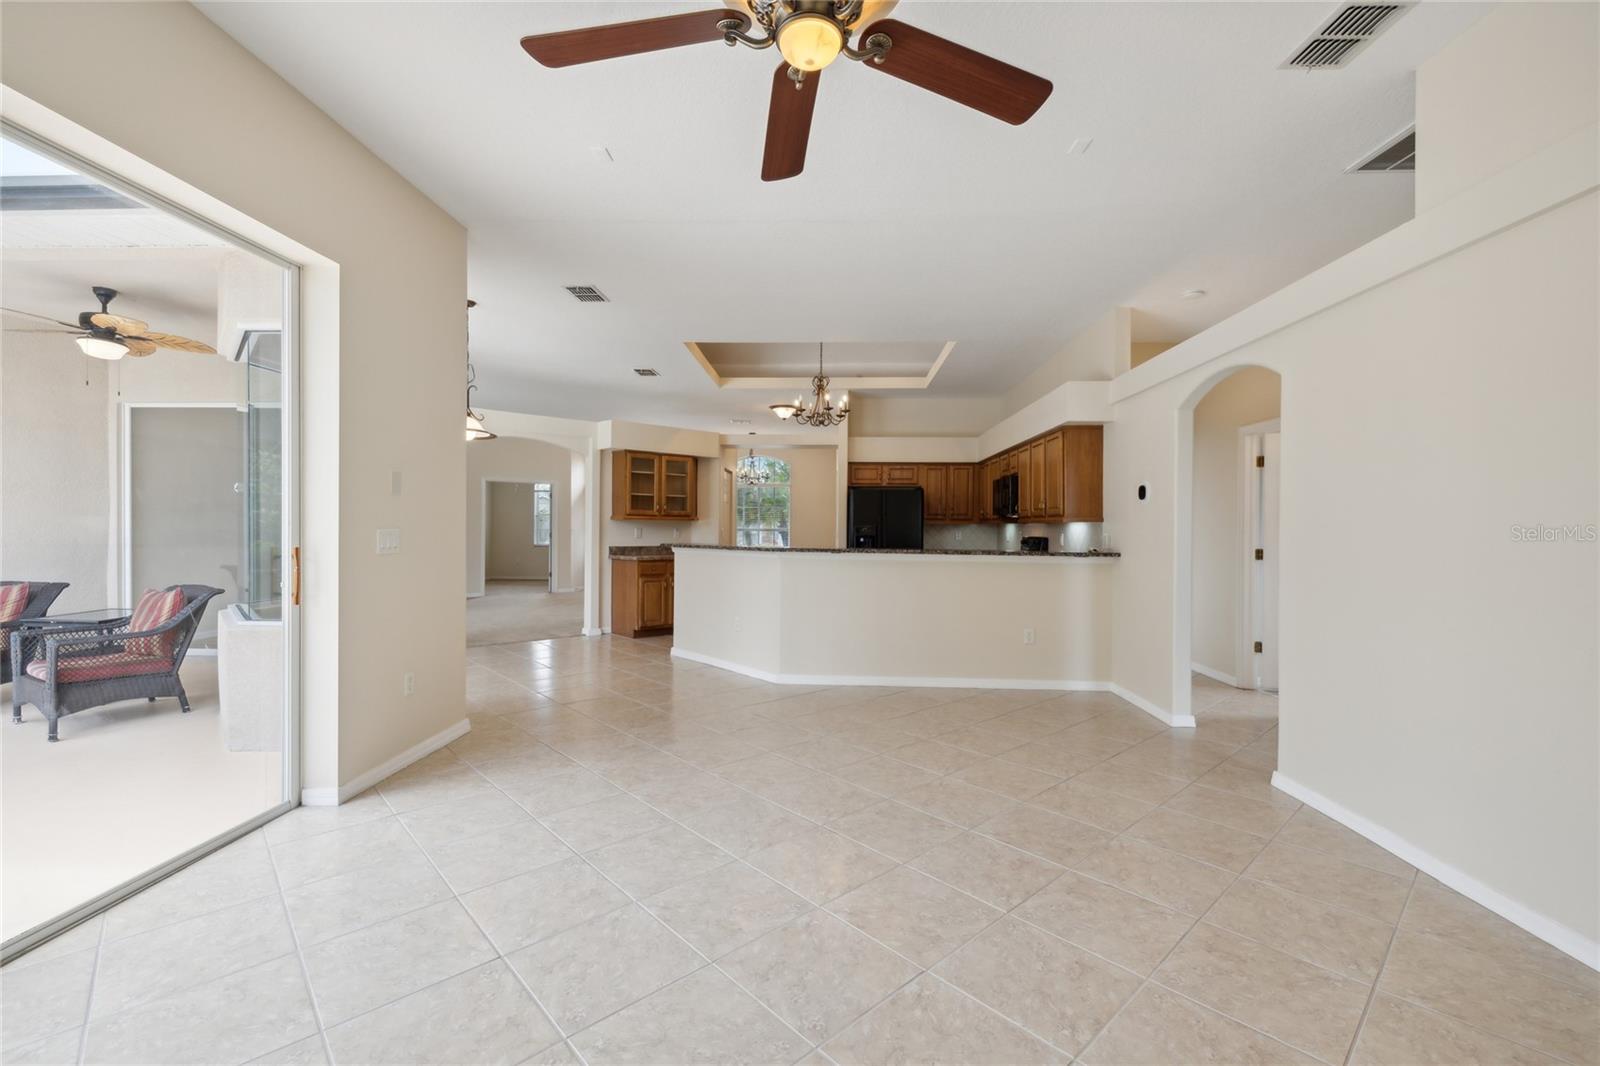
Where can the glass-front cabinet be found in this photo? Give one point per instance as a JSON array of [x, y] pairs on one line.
[[651, 485]]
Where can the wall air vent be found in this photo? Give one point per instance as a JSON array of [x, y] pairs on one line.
[[644, 371], [1398, 154], [587, 294], [1343, 36]]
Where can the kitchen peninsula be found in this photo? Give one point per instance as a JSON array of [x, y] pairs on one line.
[[886, 617]]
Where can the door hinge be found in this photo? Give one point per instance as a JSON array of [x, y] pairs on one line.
[[1261, 460], [1258, 647], [1260, 553]]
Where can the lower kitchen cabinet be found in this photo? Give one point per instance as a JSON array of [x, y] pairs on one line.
[[641, 596]]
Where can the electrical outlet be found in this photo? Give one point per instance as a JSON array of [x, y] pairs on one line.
[[1027, 636], [958, 536], [408, 685], [638, 532], [388, 541]]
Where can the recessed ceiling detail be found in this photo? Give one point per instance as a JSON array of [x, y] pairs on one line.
[[852, 364], [1399, 154]]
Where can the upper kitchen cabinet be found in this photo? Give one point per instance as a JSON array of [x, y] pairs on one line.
[[648, 485], [935, 481], [959, 503], [1082, 473]]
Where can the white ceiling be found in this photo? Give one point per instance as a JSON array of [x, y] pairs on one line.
[[915, 218], [767, 360]]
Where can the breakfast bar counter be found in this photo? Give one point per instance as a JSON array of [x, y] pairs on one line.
[[894, 617]]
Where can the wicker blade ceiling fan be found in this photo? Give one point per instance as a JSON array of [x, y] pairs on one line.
[[811, 34], [104, 335]]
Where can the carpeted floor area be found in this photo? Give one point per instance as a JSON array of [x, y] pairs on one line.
[[513, 612]]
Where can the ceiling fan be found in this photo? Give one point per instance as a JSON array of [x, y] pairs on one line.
[[811, 34], [104, 335]]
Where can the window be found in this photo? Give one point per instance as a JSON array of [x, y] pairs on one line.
[[761, 510], [541, 514]]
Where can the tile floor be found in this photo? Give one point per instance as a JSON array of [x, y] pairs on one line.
[[630, 859]]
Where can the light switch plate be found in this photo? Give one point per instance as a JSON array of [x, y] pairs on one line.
[[388, 541]]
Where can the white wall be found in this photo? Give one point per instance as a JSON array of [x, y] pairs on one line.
[[519, 459], [378, 398], [1219, 566]]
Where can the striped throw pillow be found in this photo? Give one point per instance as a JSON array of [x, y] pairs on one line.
[[155, 608], [13, 601]]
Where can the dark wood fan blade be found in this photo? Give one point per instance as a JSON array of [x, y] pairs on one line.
[[958, 73], [788, 124], [629, 38]]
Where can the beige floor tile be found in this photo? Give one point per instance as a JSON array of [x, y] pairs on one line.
[[310, 821], [450, 821], [58, 1050], [896, 830], [819, 864], [308, 1052], [594, 825], [594, 969], [1317, 832], [821, 798], [725, 908], [44, 998], [746, 824], [1127, 929], [1170, 879], [1006, 778], [1058, 760], [1521, 1005], [1046, 834], [887, 776], [1253, 816], [1251, 782], [559, 790], [168, 959], [817, 973], [230, 1019], [982, 739], [825, 753], [1098, 807], [680, 797], [931, 1023], [1159, 1026], [1447, 914], [1171, 757], [709, 749], [1056, 990], [1397, 1033], [338, 905], [1331, 937], [1332, 880], [531, 906], [339, 851], [240, 872], [1133, 783], [956, 801], [936, 757], [1302, 1005], [409, 793], [703, 1018], [474, 861], [1211, 842], [921, 918], [996, 873], [356, 972], [648, 863]]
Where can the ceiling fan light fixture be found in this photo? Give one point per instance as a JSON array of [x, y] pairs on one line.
[[102, 348], [475, 427], [809, 41]]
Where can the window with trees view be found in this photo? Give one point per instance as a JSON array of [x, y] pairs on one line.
[[541, 514], [761, 510]]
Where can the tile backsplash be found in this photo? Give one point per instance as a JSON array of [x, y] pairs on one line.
[[988, 536]]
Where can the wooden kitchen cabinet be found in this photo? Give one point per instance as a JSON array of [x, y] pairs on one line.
[[649, 485], [1059, 479], [866, 473], [641, 596], [1036, 480], [1083, 473], [902, 474], [1024, 484], [935, 481], [959, 503], [1055, 487]]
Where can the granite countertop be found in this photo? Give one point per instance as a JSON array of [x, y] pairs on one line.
[[901, 551], [651, 553]]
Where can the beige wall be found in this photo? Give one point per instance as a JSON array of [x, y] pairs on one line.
[[1098, 352], [1522, 77], [378, 399], [521, 460], [813, 491], [1220, 561], [511, 552], [921, 415]]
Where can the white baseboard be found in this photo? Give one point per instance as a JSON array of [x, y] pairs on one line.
[[1215, 675], [1065, 685], [331, 797], [1552, 932], [594, 631]]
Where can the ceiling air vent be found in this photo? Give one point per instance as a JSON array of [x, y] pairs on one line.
[[587, 294], [642, 371], [1350, 30], [1398, 154]]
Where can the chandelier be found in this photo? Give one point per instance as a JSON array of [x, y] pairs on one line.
[[821, 412], [752, 471], [475, 429]]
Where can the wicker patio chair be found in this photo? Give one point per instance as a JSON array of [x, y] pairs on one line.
[[41, 594], [66, 671]]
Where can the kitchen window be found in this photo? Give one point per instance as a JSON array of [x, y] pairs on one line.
[[541, 514], [761, 505]]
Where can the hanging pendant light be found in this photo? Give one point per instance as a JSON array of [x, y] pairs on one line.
[[752, 472], [821, 412], [475, 427]]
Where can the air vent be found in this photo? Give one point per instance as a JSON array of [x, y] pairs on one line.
[[1398, 154], [1344, 35], [642, 371], [587, 294]]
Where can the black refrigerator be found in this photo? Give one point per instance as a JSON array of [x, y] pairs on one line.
[[885, 518]]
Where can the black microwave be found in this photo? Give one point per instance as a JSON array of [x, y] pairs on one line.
[[1007, 498]]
